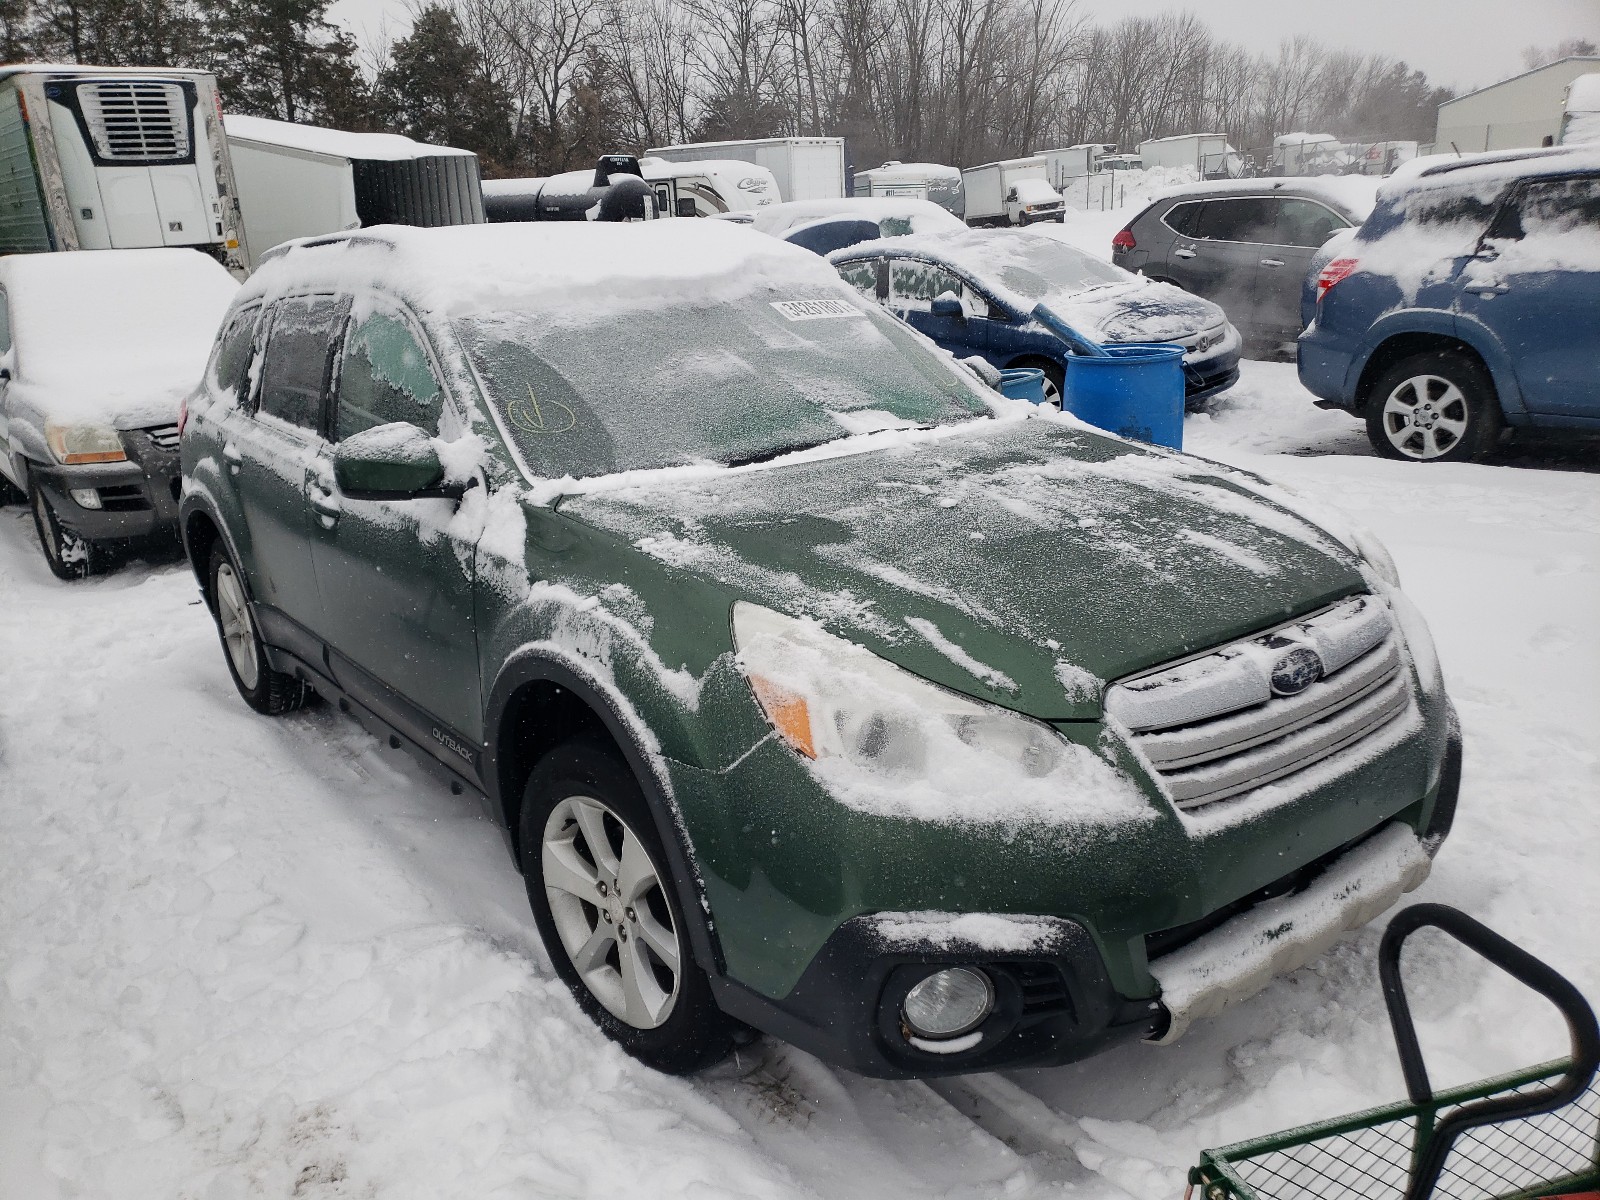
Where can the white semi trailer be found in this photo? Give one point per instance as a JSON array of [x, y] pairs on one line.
[[1208, 153], [1074, 162], [115, 158], [302, 180], [922, 181], [805, 168]]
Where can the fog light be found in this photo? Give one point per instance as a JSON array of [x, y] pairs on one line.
[[86, 497], [948, 1003]]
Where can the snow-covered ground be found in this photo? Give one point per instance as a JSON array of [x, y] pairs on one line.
[[248, 957]]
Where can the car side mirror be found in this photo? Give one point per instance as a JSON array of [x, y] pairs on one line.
[[391, 462], [947, 304]]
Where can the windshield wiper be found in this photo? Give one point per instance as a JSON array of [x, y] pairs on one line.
[[769, 455]]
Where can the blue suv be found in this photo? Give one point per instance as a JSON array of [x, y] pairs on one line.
[[1468, 302]]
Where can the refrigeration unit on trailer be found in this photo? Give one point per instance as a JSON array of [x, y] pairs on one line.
[[806, 168], [1015, 191], [301, 181], [1208, 153], [921, 181], [115, 158]]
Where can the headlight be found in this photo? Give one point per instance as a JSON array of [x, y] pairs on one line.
[[832, 700], [84, 443]]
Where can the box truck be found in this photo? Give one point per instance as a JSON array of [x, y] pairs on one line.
[[806, 168], [103, 158], [1208, 153], [302, 180], [1014, 191], [923, 181]]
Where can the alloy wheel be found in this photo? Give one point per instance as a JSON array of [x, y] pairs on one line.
[[606, 899], [238, 630], [1425, 416]]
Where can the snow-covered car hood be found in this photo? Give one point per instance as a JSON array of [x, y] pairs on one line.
[[132, 395], [1142, 311], [1028, 562]]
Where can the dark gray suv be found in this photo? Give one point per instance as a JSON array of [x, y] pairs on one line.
[[1243, 244]]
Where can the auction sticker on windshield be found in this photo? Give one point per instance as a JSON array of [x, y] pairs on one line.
[[812, 310]]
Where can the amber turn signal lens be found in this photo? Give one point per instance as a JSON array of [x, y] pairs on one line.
[[789, 714]]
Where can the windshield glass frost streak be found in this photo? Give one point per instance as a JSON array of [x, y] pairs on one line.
[[777, 371]]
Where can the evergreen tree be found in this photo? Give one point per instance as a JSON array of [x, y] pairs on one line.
[[434, 89], [112, 33], [282, 58]]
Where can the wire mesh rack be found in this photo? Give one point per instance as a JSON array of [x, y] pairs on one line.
[[1531, 1134]]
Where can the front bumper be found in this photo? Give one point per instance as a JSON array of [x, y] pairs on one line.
[[138, 498]]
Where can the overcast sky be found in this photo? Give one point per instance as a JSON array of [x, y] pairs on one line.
[[1462, 44]]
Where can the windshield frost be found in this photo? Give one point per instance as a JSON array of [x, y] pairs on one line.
[[1053, 269], [730, 381]]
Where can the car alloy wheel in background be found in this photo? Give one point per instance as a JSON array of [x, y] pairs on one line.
[[1425, 417], [610, 911]]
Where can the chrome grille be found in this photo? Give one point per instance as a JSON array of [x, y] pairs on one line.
[[136, 120], [163, 437], [1236, 718]]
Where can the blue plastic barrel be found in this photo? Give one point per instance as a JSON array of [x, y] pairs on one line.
[[1135, 390], [1023, 383]]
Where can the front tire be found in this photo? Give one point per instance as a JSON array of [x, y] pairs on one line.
[[603, 898], [267, 691], [68, 555], [1055, 379], [1435, 407]]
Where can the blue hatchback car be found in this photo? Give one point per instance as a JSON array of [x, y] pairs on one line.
[[973, 292], [1468, 302]]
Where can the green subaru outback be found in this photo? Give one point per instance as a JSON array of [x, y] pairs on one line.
[[822, 690]]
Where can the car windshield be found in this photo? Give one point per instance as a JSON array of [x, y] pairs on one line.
[[1048, 268], [730, 381]]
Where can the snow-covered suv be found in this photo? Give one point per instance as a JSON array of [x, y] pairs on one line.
[[821, 688]]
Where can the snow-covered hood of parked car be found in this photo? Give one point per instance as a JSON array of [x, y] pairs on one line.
[[1139, 311], [125, 394]]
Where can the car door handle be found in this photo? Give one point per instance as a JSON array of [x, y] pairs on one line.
[[231, 454], [1272, 262], [325, 504], [1183, 252], [1491, 288]]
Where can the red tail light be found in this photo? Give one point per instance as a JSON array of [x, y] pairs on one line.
[[1335, 271], [183, 414], [1124, 240]]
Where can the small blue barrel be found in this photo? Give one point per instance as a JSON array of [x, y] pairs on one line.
[[1023, 383], [1136, 390]]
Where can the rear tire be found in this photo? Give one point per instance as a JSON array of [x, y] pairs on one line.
[[602, 894], [1434, 407], [68, 555], [267, 691]]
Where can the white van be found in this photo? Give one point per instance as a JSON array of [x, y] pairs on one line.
[[115, 158]]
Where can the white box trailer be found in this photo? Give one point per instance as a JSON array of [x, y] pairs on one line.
[[922, 181], [707, 187], [1208, 153], [806, 168], [301, 180], [1014, 191], [115, 158], [1074, 162]]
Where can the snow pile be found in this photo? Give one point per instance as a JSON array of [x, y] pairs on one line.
[[922, 216], [114, 336]]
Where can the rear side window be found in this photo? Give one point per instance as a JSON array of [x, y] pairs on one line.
[[386, 376], [1247, 219], [230, 358], [1468, 209], [862, 275], [1551, 206], [1184, 218], [294, 370], [1306, 223]]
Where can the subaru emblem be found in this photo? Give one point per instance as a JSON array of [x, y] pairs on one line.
[[1296, 671]]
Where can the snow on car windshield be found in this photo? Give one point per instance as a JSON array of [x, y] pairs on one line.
[[779, 368], [1050, 268]]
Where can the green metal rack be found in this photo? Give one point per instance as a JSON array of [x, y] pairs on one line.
[[1534, 1133]]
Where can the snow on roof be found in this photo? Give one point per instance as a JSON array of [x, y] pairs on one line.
[[926, 216], [914, 170], [514, 187], [1354, 194], [113, 335], [1303, 139], [1177, 137], [339, 143], [459, 270], [1493, 167], [1583, 94]]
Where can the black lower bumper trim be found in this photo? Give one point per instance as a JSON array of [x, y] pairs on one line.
[[1053, 1004]]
